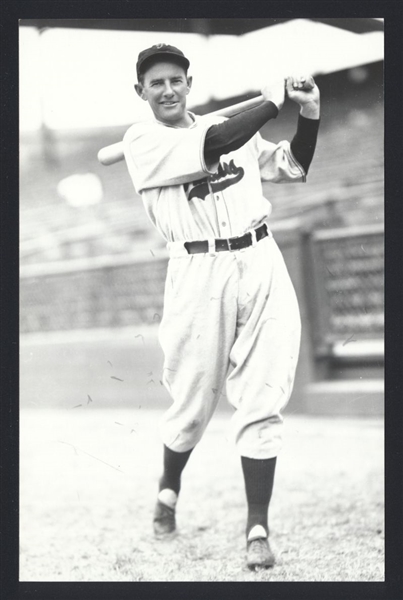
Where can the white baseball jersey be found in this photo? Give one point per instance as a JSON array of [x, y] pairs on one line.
[[189, 200], [231, 323]]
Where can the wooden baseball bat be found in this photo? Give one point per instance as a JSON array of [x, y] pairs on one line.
[[114, 153]]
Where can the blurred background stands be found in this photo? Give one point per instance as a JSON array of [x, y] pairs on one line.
[[90, 258]]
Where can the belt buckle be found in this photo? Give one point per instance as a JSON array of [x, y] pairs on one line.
[[229, 241]]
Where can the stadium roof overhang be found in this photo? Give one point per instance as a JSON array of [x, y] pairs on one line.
[[202, 26]]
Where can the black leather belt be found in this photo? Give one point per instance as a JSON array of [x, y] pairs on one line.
[[235, 243]]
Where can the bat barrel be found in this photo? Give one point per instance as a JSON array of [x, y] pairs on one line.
[[111, 154], [114, 153]]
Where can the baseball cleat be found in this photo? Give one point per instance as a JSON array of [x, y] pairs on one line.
[[259, 554], [164, 521]]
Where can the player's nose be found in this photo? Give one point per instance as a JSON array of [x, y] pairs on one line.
[[168, 91]]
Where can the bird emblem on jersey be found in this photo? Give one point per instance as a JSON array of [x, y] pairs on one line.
[[227, 175]]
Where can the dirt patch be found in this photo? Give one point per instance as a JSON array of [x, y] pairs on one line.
[[89, 481]]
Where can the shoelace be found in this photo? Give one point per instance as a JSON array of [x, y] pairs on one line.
[[259, 542], [165, 513]]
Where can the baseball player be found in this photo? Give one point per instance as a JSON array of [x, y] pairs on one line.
[[231, 322]]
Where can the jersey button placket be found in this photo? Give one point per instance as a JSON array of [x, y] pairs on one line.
[[222, 215]]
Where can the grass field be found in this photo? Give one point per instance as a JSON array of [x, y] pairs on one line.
[[88, 485]]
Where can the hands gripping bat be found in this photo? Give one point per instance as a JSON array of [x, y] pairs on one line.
[[114, 153]]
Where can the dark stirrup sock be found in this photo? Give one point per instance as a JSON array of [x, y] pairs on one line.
[[259, 479], [174, 463]]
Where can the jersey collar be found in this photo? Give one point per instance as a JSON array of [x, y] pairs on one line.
[[191, 115]]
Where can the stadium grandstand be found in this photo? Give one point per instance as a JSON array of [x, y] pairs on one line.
[[90, 259], [345, 185]]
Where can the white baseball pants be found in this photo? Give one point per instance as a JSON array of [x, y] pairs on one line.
[[231, 327]]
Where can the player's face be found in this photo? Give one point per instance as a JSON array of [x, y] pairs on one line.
[[165, 87]]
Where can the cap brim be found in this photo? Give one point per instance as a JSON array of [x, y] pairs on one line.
[[182, 60]]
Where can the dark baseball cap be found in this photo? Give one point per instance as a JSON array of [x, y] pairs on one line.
[[160, 50]]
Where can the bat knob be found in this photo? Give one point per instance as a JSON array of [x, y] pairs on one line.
[[307, 84]]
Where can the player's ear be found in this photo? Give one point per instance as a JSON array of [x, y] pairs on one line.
[[140, 91], [189, 81]]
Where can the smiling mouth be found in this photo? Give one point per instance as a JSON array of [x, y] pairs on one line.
[[169, 103]]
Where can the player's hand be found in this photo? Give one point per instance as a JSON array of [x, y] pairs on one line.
[[308, 99], [275, 92]]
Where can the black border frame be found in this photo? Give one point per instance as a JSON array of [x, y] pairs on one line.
[[11, 12]]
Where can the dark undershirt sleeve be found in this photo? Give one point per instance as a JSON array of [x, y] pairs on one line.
[[236, 131], [304, 142]]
